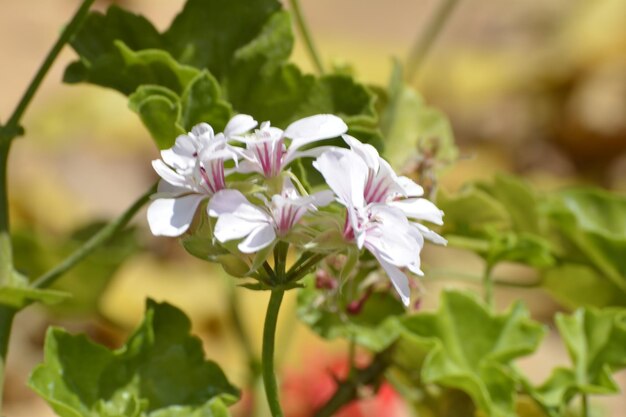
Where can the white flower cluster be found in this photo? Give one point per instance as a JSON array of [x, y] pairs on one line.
[[382, 210]]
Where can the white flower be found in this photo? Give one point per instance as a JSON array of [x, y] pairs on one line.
[[367, 186], [384, 186], [260, 226], [266, 152], [190, 171]]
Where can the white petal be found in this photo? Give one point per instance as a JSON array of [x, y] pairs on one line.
[[323, 198], [314, 128], [172, 216], [258, 239], [345, 173], [239, 125], [367, 152], [225, 201], [202, 129], [410, 187], [399, 280], [231, 227], [419, 209], [430, 235], [168, 174], [167, 190]]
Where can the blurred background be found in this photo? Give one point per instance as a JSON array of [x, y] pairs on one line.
[[536, 88]]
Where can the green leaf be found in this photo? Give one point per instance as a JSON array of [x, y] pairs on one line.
[[471, 349], [201, 102], [518, 199], [20, 297], [160, 111], [124, 70], [374, 327], [592, 227], [596, 343], [410, 125], [576, 286], [207, 33], [161, 371], [471, 211]]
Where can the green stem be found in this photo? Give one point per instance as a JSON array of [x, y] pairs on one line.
[[306, 36], [347, 390], [6, 321], [101, 237], [269, 336], [426, 39], [295, 273], [12, 128], [6, 251], [585, 405], [488, 285]]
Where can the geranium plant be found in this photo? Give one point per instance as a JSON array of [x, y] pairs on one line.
[[297, 182]]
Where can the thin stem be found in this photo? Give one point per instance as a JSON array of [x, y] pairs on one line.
[[306, 36], [488, 285], [424, 42], [347, 390], [585, 405], [6, 251], [12, 128], [6, 321], [295, 274], [269, 336], [97, 240]]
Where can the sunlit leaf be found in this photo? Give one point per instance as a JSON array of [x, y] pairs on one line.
[[596, 343], [161, 371], [471, 349]]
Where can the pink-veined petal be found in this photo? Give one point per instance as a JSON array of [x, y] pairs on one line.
[[172, 216], [410, 187], [367, 152], [239, 125], [258, 239]]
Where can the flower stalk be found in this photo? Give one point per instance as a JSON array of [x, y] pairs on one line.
[[269, 338], [426, 39], [306, 36], [97, 240]]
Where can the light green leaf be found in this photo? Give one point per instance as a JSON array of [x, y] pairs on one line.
[[410, 126], [201, 102], [592, 227], [471, 349], [160, 111], [596, 343], [161, 371], [375, 327], [575, 285]]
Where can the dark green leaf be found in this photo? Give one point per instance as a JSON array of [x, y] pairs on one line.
[[161, 371], [207, 33]]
